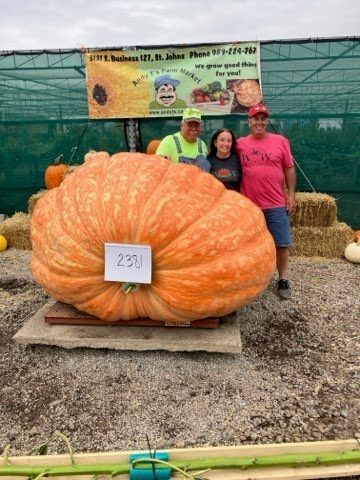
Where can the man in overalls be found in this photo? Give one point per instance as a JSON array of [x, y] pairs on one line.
[[186, 146]]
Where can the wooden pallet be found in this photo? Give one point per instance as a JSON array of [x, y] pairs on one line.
[[61, 313]]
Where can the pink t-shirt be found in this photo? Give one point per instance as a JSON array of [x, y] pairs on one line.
[[263, 163]]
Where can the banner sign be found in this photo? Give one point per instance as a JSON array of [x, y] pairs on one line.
[[218, 80]]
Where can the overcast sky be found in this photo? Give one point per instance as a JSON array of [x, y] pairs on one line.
[[53, 24]]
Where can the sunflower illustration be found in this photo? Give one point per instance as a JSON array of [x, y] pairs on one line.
[[113, 91]]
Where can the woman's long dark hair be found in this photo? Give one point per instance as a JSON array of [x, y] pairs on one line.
[[212, 148]]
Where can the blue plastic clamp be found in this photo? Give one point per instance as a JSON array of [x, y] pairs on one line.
[[150, 471]]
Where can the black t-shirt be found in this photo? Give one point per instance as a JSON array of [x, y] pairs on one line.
[[227, 170]]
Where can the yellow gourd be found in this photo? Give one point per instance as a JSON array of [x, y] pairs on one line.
[[3, 243]]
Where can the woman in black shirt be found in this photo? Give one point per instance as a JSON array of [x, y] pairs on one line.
[[224, 160]]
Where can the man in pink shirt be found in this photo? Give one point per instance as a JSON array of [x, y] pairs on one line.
[[269, 180]]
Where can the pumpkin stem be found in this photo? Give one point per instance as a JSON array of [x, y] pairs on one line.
[[59, 159], [130, 287]]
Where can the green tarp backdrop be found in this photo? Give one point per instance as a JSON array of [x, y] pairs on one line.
[[312, 87]]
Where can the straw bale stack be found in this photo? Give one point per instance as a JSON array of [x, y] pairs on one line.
[[314, 210], [315, 228], [34, 199], [327, 242], [16, 230]]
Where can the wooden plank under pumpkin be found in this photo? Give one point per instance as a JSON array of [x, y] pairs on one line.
[[269, 473], [62, 313], [286, 473]]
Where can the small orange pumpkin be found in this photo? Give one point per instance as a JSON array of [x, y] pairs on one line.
[[55, 173], [152, 146], [211, 250], [357, 235]]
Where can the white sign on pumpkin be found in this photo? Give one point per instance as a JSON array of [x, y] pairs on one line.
[[127, 263]]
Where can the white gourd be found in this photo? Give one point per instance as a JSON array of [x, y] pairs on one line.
[[352, 251]]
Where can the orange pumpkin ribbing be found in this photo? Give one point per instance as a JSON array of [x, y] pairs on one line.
[[93, 155], [212, 252]]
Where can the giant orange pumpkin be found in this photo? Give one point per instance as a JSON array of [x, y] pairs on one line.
[[93, 155], [211, 250]]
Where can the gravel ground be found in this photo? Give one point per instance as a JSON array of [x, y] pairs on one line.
[[298, 378]]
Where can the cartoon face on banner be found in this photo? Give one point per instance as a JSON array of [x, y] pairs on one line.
[[165, 93]]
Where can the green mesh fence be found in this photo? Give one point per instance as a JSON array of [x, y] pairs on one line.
[[311, 86]]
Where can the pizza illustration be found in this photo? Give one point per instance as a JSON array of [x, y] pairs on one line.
[[247, 92]]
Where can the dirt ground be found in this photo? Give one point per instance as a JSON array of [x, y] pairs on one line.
[[298, 378]]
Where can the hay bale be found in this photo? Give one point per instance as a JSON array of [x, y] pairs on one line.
[[34, 199], [327, 242], [16, 230], [314, 210]]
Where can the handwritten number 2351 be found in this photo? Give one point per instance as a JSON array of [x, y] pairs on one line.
[[129, 261]]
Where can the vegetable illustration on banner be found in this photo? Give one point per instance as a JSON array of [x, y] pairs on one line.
[[218, 80]]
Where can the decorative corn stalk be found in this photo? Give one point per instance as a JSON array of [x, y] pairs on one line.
[[184, 466]]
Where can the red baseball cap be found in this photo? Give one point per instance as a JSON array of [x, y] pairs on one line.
[[260, 108]]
